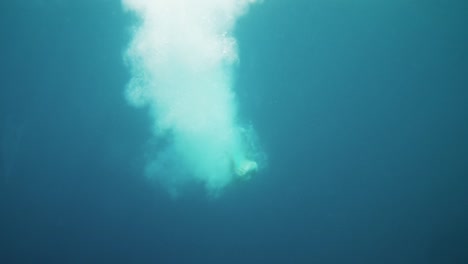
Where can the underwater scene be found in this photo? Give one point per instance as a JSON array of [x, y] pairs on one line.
[[234, 131]]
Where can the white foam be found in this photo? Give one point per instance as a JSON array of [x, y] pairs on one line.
[[181, 58]]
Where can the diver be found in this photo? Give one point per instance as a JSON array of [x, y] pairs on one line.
[[244, 169]]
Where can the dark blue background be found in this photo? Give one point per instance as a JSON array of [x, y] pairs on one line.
[[361, 106]]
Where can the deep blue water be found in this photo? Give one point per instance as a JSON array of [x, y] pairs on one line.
[[361, 106]]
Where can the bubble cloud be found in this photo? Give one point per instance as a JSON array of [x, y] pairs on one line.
[[181, 58]]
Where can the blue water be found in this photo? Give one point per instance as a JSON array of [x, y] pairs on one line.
[[361, 107]]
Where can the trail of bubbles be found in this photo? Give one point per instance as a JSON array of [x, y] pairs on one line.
[[181, 58]]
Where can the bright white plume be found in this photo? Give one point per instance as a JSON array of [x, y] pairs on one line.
[[181, 59]]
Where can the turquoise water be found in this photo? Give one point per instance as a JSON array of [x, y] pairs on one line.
[[355, 110]]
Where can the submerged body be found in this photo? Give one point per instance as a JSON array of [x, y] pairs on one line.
[[244, 169]]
